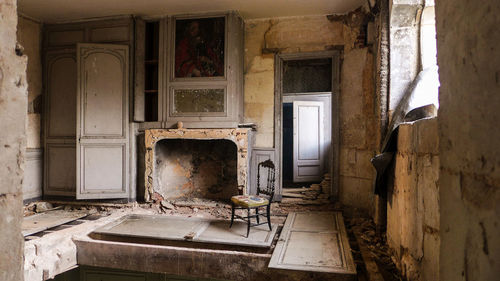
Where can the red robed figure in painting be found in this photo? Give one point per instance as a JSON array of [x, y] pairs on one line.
[[195, 57]]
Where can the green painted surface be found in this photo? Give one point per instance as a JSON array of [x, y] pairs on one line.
[[104, 274]]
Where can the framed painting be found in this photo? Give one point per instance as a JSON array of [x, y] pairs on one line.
[[199, 47]]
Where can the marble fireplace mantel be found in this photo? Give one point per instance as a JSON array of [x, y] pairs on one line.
[[240, 136]]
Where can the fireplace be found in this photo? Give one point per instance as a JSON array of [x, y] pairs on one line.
[[196, 163], [196, 168]]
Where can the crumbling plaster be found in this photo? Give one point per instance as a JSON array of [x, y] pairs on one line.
[[13, 103], [56, 252], [413, 201], [29, 37], [469, 180], [359, 109]]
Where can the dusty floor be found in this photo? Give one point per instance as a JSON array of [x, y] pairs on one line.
[[362, 230], [359, 229]]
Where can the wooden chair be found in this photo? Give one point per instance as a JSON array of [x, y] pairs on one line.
[[263, 199]]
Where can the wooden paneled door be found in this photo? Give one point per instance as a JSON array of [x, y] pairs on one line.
[[102, 147], [59, 123], [308, 141]]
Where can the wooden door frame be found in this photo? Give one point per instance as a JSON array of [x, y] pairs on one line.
[[334, 156]]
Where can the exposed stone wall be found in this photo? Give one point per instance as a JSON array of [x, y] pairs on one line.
[[413, 202], [359, 134], [13, 103], [359, 111], [196, 168], [29, 37], [468, 57], [404, 47]]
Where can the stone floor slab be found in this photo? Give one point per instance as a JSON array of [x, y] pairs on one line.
[[189, 229]]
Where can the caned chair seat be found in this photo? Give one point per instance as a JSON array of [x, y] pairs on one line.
[[249, 201]]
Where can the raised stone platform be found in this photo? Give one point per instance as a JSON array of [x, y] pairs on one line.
[[157, 229]]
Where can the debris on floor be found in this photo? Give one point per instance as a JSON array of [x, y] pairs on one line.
[[316, 193], [370, 246], [363, 238]]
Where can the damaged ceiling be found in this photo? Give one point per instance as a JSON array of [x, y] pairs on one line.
[[64, 10]]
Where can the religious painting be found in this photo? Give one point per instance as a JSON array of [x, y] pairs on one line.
[[199, 47]]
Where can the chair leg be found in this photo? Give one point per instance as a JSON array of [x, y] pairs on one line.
[[269, 217], [248, 225], [232, 214], [257, 214]]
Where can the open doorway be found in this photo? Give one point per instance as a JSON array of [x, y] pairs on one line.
[[307, 97]]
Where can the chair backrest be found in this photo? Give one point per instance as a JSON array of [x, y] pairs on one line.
[[267, 188]]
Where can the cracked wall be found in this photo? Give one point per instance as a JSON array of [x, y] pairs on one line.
[[413, 201], [359, 107], [468, 59], [13, 104]]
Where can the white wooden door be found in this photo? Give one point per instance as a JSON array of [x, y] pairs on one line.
[[102, 121], [315, 242], [308, 141]]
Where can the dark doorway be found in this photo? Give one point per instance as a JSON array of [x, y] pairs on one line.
[[287, 144]]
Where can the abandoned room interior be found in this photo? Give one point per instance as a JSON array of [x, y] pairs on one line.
[[249, 140]]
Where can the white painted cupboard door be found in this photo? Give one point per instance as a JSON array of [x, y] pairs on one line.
[[308, 141], [102, 121], [59, 123]]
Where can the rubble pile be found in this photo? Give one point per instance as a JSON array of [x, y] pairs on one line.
[[376, 243], [316, 193]]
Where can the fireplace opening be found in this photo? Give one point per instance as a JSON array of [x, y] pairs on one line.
[[192, 168]]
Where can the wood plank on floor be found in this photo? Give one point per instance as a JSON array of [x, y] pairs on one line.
[[43, 221], [315, 242]]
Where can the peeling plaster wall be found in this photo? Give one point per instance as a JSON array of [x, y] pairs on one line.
[[13, 103], [359, 110], [284, 35], [413, 201], [29, 37], [469, 57]]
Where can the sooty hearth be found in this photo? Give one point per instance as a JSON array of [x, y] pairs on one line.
[[196, 168]]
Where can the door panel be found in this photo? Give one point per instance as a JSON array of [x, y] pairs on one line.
[[60, 169], [315, 242], [308, 141], [103, 99], [102, 121], [304, 171], [60, 123], [96, 157], [62, 96], [260, 155]]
